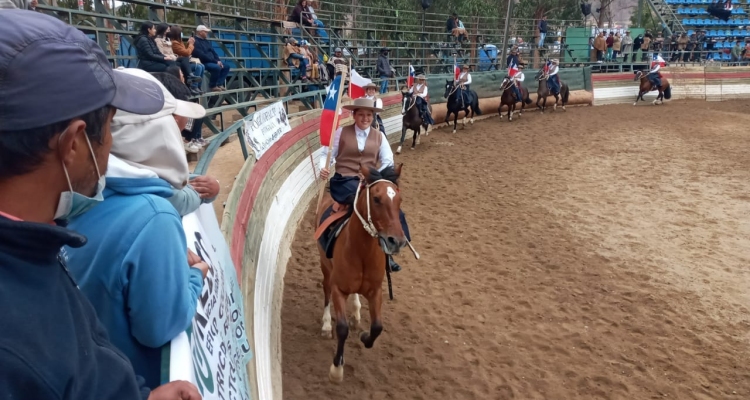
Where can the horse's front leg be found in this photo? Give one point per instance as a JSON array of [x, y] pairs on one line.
[[511, 108], [554, 106], [637, 97], [455, 121], [403, 137], [415, 138], [376, 325], [336, 372]]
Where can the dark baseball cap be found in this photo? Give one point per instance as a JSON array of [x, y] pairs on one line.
[[51, 72]]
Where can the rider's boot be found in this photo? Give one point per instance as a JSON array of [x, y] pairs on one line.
[[392, 264]]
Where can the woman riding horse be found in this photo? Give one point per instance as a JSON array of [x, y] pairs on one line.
[[420, 89], [463, 83], [553, 80], [370, 91], [654, 76], [356, 146], [513, 63]]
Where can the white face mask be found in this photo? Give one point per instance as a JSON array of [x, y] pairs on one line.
[[73, 204]]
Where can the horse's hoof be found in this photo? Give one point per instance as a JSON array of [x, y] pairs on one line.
[[554, 107], [472, 121], [326, 334], [336, 374], [454, 131], [398, 150], [564, 108], [636, 103]]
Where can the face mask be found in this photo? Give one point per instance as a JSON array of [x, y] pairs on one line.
[[73, 204]]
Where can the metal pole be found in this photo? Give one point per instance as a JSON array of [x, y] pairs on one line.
[[507, 27], [640, 14], [424, 59]]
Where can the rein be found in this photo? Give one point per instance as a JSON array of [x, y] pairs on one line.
[[411, 105], [367, 224]]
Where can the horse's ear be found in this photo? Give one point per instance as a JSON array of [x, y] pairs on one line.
[[365, 173]]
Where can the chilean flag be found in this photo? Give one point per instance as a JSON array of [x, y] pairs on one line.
[[456, 71], [512, 68], [657, 60], [546, 67], [333, 93], [410, 80], [356, 85]]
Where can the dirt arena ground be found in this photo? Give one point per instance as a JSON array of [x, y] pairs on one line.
[[598, 253]]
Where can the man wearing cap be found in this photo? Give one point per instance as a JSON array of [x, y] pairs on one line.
[[355, 145], [384, 70], [553, 80], [136, 270], [52, 165], [339, 64], [210, 59], [513, 64], [420, 89], [295, 59], [370, 91]]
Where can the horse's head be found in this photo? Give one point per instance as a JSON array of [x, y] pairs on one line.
[[505, 84], [379, 208], [406, 99], [448, 88], [638, 75]]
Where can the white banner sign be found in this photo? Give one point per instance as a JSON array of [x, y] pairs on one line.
[[264, 128], [213, 353]]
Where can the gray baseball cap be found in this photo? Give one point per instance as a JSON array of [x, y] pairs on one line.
[[51, 72]]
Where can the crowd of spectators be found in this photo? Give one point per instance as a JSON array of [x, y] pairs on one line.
[[95, 270]]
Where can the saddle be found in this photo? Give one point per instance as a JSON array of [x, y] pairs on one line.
[[332, 221]]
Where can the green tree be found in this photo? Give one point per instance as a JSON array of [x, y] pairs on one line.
[[649, 20]]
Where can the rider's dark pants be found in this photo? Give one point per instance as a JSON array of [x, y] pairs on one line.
[[424, 111], [343, 190], [654, 78], [553, 84], [517, 90]]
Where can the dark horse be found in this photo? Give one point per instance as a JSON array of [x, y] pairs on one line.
[[665, 91], [509, 99], [543, 91], [455, 104], [411, 120], [358, 264]]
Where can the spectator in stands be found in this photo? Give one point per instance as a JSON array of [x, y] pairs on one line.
[[338, 64], [747, 52], [316, 21], [204, 51], [610, 42], [616, 46], [637, 43], [384, 70], [682, 43], [191, 132], [301, 15], [165, 47], [736, 53], [600, 44], [627, 45], [311, 59], [49, 158], [202, 189], [645, 45], [542, 30], [7, 5], [137, 270], [175, 37], [149, 57], [32, 6], [455, 28], [295, 59]]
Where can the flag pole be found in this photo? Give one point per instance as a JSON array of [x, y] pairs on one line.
[[334, 127]]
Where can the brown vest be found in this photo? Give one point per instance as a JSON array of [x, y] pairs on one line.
[[349, 157], [419, 91]]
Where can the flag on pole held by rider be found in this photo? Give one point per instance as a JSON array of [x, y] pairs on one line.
[[357, 84], [656, 59], [547, 66], [456, 70], [330, 106], [410, 80], [512, 68]]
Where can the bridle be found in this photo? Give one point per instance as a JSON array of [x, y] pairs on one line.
[[367, 224], [411, 104], [508, 83]]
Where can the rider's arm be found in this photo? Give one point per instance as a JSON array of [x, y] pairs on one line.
[[379, 103], [468, 79], [424, 93], [411, 89], [520, 77], [386, 154], [655, 68], [334, 149], [554, 71]]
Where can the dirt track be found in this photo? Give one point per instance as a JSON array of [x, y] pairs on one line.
[[600, 253]]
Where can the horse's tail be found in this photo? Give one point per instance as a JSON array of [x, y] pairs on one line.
[[475, 105], [668, 92], [565, 93]]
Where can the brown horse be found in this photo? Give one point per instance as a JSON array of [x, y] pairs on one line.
[[665, 91], [543, 91], [508, 98], [411, 119], [358, 265]]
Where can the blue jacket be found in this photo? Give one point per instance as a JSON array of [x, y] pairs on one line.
[[135, 269], [51, 344], [202, 49]]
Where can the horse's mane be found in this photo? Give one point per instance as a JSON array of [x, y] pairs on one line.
[[388, 173]]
